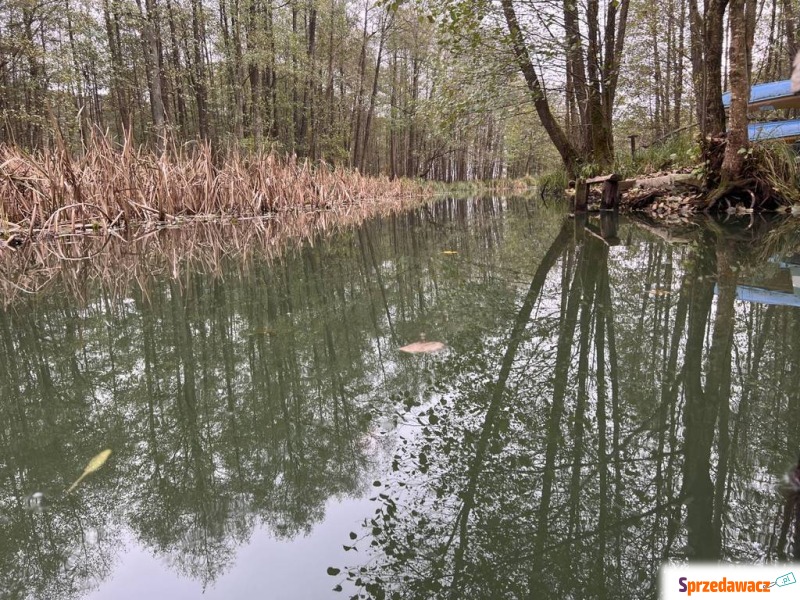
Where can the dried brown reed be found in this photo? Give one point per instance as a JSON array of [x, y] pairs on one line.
[[108, 187], [121, 261]]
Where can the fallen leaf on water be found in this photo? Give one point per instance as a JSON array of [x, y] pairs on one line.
[[94, 464], [423, 347], [449, 252]]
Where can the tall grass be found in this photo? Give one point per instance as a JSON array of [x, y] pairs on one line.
[[555, 180], [674, 153], [106, 186], [671, 154], [773, 168]]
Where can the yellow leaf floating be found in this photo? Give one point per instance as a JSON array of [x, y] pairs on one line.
[[423, 347], [449, 252], [94, 464]]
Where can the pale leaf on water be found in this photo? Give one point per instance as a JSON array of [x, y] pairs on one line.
[[423, 347], [94, 464]]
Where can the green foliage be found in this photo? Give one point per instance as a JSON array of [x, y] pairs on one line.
[[774, 163], [553, 180], [676, 152]]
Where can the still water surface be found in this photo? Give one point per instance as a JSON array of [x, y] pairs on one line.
[[599, 409]]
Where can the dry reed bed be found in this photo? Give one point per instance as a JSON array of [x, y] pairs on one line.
[[75, 264], [107, 187]]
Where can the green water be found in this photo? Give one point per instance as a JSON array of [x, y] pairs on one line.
[[599, 409]]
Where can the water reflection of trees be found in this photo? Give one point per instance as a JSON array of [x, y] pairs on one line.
[[633, 413], [600, 409], [229, 401]]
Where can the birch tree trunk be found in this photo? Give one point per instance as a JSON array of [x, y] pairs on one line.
[[740, 94]]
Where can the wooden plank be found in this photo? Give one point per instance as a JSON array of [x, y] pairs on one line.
[[581, 196], [610, 195], [603, 178]]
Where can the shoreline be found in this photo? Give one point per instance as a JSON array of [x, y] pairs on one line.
[[107, 189]]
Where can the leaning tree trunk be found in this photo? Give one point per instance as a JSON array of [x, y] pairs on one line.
[[565, 148]]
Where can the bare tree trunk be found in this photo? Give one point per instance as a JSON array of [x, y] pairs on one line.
[[80, 91], [362, 65], [602, 146], [712, 63], [198, 72], [740, 93], [577, 84], [770, 60], [117, 77], [790, 29], [254, 75], [750, 7], [677, 81], [180, 101], [385, 24], [153, 65], [393, 120], [270, 75], [658, 88], [698, 69]]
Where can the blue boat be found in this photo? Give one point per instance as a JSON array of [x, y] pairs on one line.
[[787, 131], [769, 96]]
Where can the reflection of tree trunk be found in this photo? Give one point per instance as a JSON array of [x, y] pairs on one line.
[[149, 352], [703, 407], [599, 572], [791, 511], [366, 244], [187, 389], [670, 386], [10, 379], [740, 438], [224, 329], [595, 248], [699, 420], [493, 411], [584, 280], [719, 371], [616, 412]]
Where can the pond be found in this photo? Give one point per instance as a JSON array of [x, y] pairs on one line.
[[601, 406]]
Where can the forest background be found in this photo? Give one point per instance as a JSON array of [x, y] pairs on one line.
[[452, 90]]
